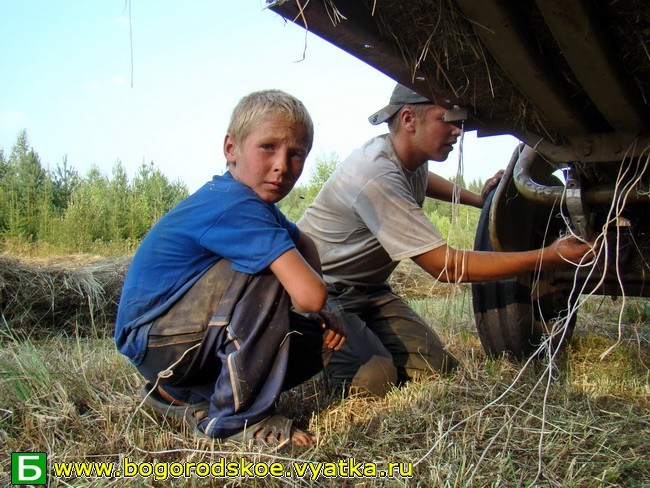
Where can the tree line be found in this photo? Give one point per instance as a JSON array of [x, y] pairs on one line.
[[60, 211], [70, 213]]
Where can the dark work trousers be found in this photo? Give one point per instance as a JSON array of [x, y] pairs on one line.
[[232, 340], [387, 342]]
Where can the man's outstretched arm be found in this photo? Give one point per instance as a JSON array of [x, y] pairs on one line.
[[453, 266], [443, 189]]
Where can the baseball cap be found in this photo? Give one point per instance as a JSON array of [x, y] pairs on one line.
[[401, 96]]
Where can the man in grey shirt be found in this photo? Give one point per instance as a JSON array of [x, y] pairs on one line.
[[368, 217]]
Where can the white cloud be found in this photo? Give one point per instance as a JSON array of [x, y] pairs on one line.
[[120, 80]]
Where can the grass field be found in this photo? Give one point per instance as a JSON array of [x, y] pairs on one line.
[[583, 422]]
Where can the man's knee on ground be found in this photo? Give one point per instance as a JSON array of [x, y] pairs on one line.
[[376, 377]]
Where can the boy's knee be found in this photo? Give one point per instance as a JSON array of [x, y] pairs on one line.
[[376, 377]]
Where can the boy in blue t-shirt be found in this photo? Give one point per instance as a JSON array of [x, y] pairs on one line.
[[206, 308]]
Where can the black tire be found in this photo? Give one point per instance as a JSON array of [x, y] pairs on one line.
[[508, 319]]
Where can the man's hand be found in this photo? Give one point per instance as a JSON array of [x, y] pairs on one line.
[[490, 185], [335, 337], [572, 250]]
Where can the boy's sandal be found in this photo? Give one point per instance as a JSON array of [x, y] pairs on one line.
[[272, 432], [163, 406]]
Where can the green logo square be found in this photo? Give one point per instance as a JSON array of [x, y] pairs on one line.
[[28, 468]]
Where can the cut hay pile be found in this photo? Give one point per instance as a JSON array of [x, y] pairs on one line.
[[68, 295], [79, 294]]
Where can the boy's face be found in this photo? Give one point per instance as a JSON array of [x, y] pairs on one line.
[[270, 160]]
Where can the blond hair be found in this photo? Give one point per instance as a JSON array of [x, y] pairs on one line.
[[254, 107]]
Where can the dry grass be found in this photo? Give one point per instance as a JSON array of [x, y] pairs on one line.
[[410, 280], [72, 294], [490, 424]]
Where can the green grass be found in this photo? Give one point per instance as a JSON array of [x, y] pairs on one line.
[[493, 423]]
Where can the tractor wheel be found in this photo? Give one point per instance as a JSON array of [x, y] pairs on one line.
[[509, 319]]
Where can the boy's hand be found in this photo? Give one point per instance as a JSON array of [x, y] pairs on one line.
[[335, 337]]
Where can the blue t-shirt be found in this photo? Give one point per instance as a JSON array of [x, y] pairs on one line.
[[223, 219]]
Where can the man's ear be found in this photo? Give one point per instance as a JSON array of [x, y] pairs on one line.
[[230, 149], [407, 119]]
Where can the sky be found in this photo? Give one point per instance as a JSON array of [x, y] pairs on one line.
[[96, 85]]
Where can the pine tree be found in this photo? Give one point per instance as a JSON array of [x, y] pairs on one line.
[[4, 192], [120, 198], [27, 180], [153, 197], [4, 164], [65, 181]]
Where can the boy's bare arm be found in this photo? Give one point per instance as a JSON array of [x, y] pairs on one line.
[[450, 265], [309, 252], [336, 333], [303, 284]]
